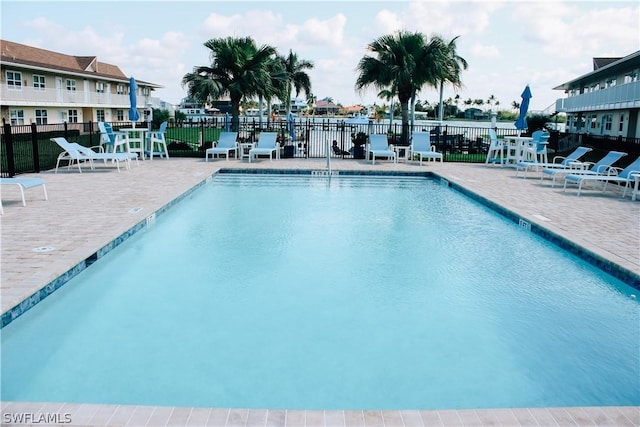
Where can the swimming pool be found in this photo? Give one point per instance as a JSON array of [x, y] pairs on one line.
[[296, 318]]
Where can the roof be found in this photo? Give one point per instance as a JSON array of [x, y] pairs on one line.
[[29, 56], [604, 67], [603, 62]]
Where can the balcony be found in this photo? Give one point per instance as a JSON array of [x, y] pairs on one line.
[[614, 98], [29, 96]]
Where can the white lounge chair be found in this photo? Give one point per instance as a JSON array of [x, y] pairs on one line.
[[626, 176], [558, 162], [379, 147], [22, 184], [225, 144], [267, 146], [599, 168], [73, 152], [422, 148]]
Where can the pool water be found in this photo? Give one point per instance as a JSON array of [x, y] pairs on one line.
[[299, 292]]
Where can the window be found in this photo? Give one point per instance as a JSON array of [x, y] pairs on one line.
[[120, 115], [621, 125], [100, 115], [72, 115], [631, 77], [594, 121], [607, 121], [145, 91], [120, 89], [100, 87], [17, 117], [14, 80], [611, 83], [38, 82], [71, 85], [41, 117]]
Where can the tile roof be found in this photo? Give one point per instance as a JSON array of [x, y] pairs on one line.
[[21, 54]]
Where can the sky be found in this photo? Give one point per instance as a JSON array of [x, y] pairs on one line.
[[507, 44]]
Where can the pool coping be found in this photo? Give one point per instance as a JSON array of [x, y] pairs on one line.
[[527, 224]]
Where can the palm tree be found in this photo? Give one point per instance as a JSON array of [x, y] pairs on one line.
[[395, 64], [450, 67], [238, 69], [296, 76]]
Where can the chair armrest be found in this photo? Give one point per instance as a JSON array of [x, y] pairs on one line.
[[99, 147]]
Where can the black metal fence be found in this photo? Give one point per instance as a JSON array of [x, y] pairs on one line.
[[27, 148]]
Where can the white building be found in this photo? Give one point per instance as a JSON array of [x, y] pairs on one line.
[[44, 87], [605, 101]]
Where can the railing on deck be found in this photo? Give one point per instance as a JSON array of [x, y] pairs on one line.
[[27, 148]]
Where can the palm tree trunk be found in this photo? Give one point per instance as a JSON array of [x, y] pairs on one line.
[[441, 107], [260, 111]]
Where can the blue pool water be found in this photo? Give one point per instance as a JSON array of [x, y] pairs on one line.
[[298, 292]]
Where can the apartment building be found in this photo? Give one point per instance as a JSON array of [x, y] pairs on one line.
[[605, 101], [44, 87]]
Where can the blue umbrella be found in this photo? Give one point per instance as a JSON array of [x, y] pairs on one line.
[[227, 122], [291, 126], [133, 111], [521, 123]]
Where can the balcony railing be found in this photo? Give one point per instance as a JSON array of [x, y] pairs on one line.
[[614, 98], [29, 96]]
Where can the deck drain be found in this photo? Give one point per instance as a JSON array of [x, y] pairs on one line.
[[133, 211], [44, 249]]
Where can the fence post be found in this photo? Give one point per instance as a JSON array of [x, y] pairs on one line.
[[8, 141], [66, 129], [34, 146]]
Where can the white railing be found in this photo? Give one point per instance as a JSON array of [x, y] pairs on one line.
[[54, 97], [613, 98]]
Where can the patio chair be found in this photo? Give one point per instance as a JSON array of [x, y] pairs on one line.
[[421, 147], [379, 147], [22, 184], [558, 162], [599, 168], [267, 145], [112, 140], [536, 150], [157, 143], [496, 153], [73, 152], [225, 144], [626, 176]]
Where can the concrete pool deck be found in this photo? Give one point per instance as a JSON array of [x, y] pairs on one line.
[[86, 212]]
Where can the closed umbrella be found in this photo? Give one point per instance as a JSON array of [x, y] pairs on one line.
[[521, 123], [133, 111], [291, 124], [227, 122]]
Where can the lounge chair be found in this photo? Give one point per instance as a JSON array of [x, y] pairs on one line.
[[626, 176], [558, 162], [599, 168], [379, 147], [24, 183], [73, 152], [422, 148], [225, 144], [267, 146]]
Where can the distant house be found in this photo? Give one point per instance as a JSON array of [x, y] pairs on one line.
[[605, 101], [353, 110], [44, 87], [475, 114], [325, 108]]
